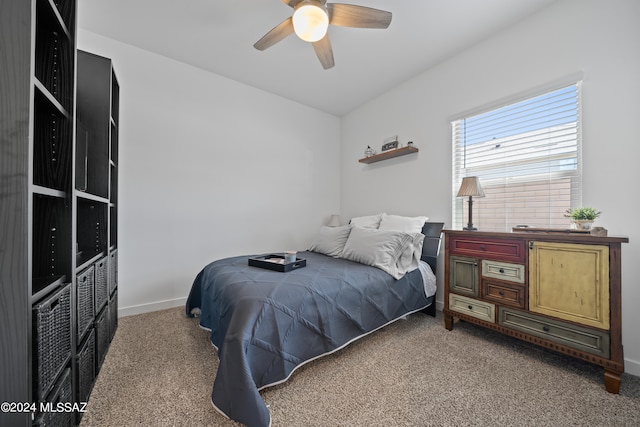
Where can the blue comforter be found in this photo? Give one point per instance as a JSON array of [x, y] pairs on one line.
[[265, 323]]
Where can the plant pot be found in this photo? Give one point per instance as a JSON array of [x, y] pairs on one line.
[[582, 224]]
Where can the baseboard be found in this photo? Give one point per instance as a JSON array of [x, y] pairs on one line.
[[632, 367], [153, 306]]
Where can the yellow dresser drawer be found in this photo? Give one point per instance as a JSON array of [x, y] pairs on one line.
[[585, 339], [479, 309], [503, 271]]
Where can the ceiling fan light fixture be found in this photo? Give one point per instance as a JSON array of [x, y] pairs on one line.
[[310, 20]]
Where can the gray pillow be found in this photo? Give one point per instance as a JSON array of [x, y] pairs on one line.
[[369, 221], [395, 252], [331, 240]]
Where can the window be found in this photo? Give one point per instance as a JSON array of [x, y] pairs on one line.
[[527, 157]]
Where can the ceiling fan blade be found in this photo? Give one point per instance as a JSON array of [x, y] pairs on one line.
[[324, 51], [349, 15], [291, 3], [279, 32]]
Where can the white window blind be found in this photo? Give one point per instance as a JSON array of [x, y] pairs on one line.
[[527, 157]]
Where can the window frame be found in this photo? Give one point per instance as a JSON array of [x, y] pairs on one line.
[[459, 212]]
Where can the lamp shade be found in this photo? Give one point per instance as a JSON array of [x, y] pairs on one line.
[[334, 221], [310, 20], [470, 187]]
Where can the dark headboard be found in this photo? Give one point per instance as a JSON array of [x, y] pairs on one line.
[[431, 246]]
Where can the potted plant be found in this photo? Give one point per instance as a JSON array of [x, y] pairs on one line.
[[582, 218]]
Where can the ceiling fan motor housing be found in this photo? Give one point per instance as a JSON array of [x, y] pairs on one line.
[[310, 20]]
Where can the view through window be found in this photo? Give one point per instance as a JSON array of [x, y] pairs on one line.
[[527, 157]]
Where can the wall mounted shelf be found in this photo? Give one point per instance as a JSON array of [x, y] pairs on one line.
[[389, 154]]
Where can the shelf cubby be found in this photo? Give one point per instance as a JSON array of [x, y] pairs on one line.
[[51, 246], [91, 233], [96, 122], [113, 229], [54, 54], [82, 145], [92, 160], [52, 145]]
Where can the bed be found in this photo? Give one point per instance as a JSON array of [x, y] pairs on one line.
[[265, 324]]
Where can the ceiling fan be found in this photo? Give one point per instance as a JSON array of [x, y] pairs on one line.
[[311, 19]]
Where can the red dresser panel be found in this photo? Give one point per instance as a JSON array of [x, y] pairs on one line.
[[498, 249]]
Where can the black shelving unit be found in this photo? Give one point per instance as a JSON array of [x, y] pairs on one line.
[[96, 210], [58, 211], [37, 106], [52, 284]]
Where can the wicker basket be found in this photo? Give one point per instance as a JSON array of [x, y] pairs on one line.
[[62, 393], [113, 271], [86, 367], [102, 337], [52, 339], [84, 301], [113, 314], [101, 285]]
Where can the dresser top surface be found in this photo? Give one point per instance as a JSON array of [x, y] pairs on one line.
[[560, 235]]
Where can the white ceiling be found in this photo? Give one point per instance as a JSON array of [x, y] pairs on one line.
[[218, 36]]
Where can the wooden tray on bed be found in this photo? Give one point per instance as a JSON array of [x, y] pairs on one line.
[[276, 262]]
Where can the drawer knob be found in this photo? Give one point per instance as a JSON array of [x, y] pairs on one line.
[[470, 307], [501, 271], [483, 247], [501, 293], [546, 328]]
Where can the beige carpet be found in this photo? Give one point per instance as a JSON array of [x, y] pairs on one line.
[[160, 368]]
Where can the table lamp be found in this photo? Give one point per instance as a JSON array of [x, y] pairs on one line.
[[334, 221], [470, 187]]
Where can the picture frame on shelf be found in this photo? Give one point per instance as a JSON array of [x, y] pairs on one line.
[[390, 146], [390, 143]]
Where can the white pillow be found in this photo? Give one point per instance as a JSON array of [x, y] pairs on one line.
[[331, 240], [410, 258], [391, 251], [402, 223], [370, 221]]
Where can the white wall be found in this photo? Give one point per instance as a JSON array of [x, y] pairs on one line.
[[599, 39], [203, 158], [209, 168]]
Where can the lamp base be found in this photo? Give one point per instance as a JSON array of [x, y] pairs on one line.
[[470, 226]]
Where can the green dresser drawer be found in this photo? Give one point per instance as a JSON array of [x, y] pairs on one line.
[[584, 339], [463, 276], [479, 309]]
